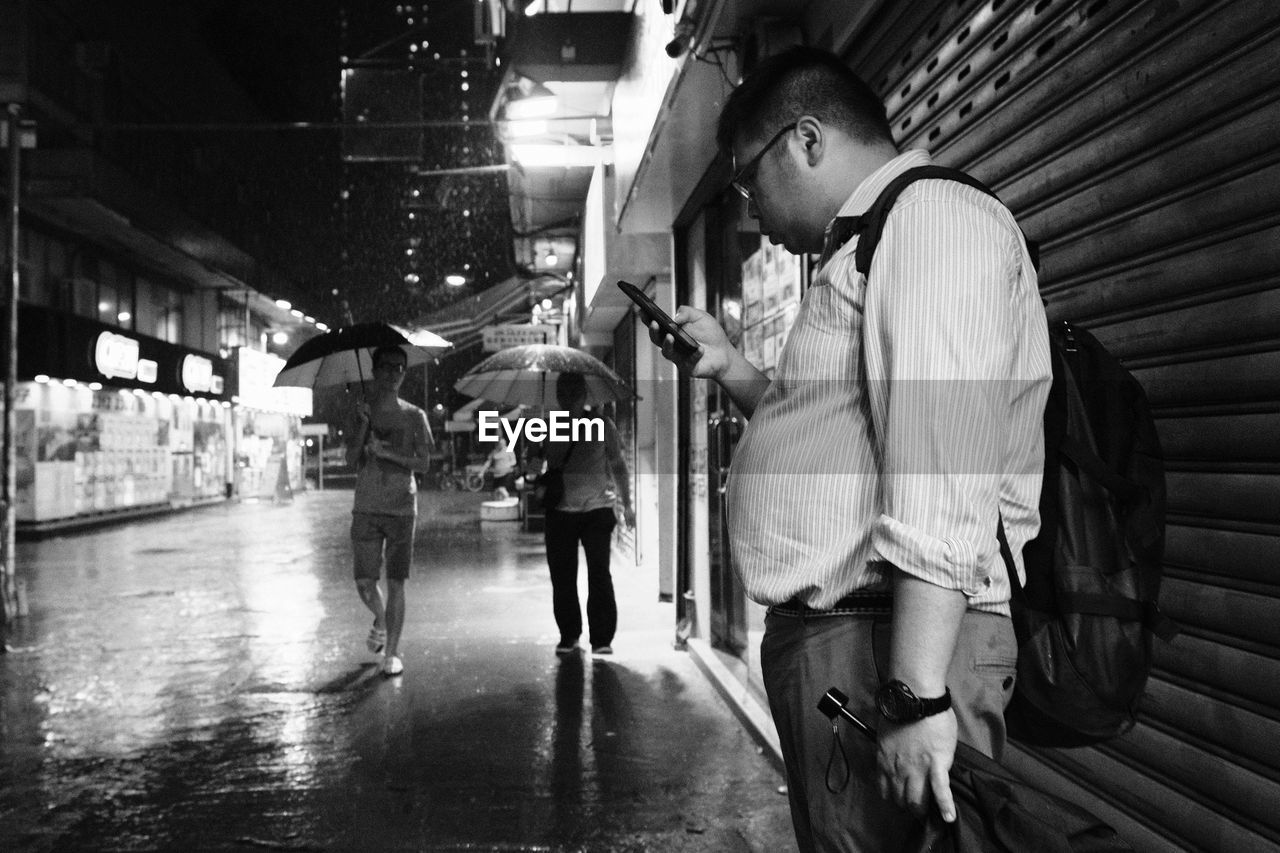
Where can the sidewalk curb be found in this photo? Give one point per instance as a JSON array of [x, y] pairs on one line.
[[89, 522], [749, 711]]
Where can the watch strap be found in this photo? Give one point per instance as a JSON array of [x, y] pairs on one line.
[[895, 694], [936, 705]]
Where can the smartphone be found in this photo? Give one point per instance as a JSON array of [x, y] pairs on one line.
[[685, 345]]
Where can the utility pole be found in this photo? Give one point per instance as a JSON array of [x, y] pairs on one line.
[[14, 138]]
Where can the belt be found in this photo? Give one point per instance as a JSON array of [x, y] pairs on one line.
[[855, 603]]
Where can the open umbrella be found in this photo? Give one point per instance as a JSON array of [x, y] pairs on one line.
[[527, 375], [997, 812], [345, 355]]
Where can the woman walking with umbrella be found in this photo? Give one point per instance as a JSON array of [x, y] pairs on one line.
[[584, 515], [593, 473]]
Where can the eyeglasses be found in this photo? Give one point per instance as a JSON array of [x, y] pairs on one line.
[[742, 178], [391, 366]]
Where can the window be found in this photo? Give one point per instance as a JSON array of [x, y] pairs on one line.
[[83, 287], [56, 291], [231, 324], [125, 300], [159, 311], [108, 303], [146, 309], [169, 320]]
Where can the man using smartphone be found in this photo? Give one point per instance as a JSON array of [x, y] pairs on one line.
[[903, 423]]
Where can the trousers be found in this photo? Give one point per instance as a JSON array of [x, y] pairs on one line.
[[802, 656], [562, 533]]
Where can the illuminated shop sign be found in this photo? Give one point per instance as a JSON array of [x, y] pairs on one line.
[[500, 337], [257, 373], [197, 373], [148, 370], [116, 356]]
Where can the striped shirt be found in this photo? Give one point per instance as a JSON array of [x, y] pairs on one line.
[[905, 416]]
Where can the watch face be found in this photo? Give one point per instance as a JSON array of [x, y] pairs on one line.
[[897, 703]]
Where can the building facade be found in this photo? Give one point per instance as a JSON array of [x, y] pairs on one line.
[[138, 309]]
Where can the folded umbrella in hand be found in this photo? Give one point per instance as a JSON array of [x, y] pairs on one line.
[[996, 811]]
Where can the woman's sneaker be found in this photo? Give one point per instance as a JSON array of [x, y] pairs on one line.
[[392, 666]]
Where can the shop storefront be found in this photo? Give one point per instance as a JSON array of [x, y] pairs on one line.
[[268, 441], [113, 424], [753, 288]]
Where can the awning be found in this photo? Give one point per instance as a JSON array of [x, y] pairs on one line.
[[508, 300]]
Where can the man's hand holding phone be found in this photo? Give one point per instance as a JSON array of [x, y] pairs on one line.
[[695, 342], [712, 357], [678, 345]]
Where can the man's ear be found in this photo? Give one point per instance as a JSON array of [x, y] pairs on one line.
[[814, 138]]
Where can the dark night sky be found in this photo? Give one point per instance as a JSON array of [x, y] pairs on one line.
[[345, 227]]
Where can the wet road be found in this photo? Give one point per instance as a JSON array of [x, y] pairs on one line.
[[199, 682]]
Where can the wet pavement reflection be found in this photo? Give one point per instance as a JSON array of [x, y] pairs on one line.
[[199, 682]]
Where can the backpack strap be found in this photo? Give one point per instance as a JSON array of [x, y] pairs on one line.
[[872, 224], [1086, 460], [869, 227]]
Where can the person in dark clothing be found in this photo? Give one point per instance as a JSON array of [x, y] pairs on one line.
[[595, 479]]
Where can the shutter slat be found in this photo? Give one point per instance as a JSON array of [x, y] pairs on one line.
[[1253, 437], [1130, 59], [1170, 223], [1232, 379], [1247, 319], [1249, 557], [1229, 612], [1245, 256], [1242, 497], [1248, 675], [1251, 737]]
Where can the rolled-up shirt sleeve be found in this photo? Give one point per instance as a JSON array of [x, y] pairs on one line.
[[941, 337]]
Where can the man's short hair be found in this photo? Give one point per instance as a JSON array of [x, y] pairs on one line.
[[382, 352], [802, 81]]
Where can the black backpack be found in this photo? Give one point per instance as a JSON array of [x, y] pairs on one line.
[[1086, 617]]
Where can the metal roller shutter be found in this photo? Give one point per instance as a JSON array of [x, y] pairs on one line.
[[1138, 142]]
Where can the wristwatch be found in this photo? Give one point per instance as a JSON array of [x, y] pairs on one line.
[[898, 704]]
